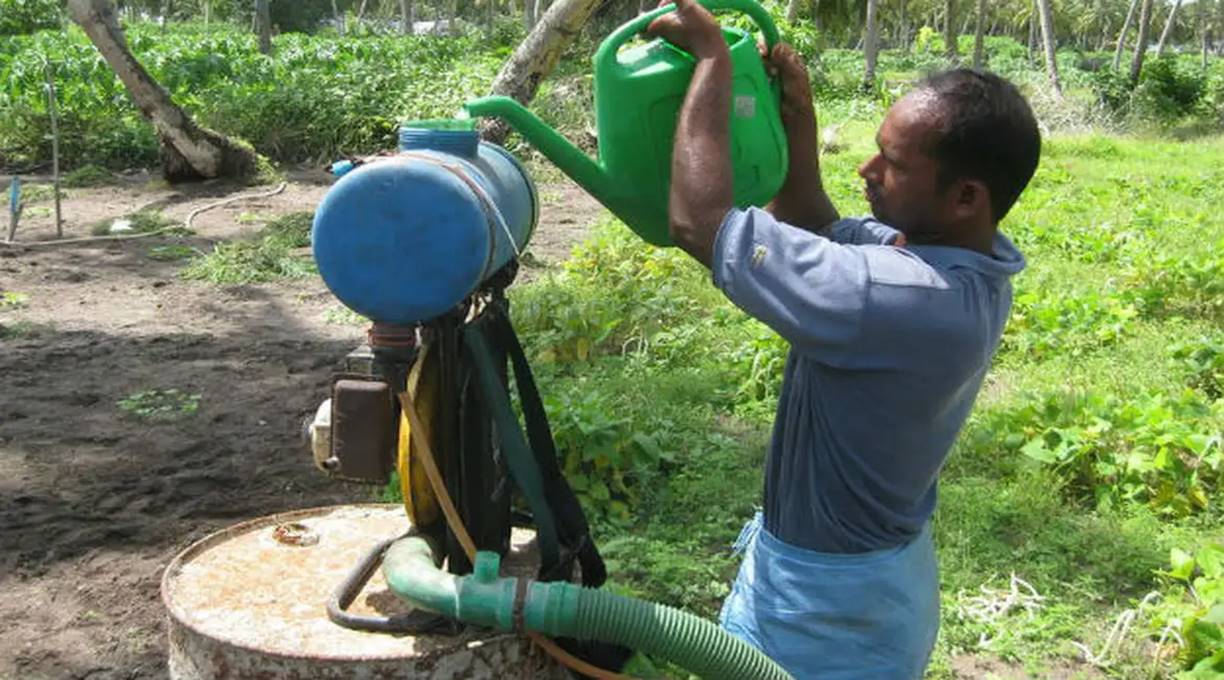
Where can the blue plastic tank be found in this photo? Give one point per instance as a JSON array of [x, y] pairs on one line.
[[404, 238]]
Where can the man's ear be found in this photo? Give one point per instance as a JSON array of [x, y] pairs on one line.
[[970, 197]]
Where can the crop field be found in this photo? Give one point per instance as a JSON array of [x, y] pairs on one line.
[[1079, 529]]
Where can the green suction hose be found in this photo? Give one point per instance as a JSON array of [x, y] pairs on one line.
[[564, 609]]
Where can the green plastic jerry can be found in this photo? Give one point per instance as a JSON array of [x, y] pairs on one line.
[[638, 93]]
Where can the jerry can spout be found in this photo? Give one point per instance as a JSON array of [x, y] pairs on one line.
[[569, 158]]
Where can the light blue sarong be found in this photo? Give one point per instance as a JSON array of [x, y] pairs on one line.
[[865, 616]]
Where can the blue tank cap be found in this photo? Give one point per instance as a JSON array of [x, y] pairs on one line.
[[453, 136]]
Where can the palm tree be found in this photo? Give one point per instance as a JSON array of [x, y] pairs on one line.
[[1145, 24], [871, 44], [1164, 35], [263, 19], [1130, 16], [1047, 41], [979, 39], [950, 31]]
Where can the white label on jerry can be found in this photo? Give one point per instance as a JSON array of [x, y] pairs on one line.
[[745, 106]]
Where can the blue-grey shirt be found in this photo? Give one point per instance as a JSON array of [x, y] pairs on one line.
[[889, 346]]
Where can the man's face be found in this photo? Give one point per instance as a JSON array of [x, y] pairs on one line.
[[901, 179]]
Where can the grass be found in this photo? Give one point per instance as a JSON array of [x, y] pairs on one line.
[[160, 405], [88, 175], [273, 253]]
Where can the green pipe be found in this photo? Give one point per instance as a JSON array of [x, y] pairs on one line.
[[560, 609]]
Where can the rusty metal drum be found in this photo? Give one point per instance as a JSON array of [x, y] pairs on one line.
[[250, 602]]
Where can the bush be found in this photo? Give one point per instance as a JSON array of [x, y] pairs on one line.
[[1169, 88], [18, 17]]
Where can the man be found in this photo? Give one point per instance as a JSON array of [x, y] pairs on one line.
[[892, 322]]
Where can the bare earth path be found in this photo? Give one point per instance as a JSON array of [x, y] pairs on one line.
[[94, 503]]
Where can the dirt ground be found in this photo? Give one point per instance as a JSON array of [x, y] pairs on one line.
[[94, 502]]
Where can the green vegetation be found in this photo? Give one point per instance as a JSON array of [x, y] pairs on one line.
[[320, 97], [160, 405], [13, 300], [142, 222], [271, 254], [171, 253], [88, 175]]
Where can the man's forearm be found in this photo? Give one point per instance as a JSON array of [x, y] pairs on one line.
[[802, 200], [701, 182]]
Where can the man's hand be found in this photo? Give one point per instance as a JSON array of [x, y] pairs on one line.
[[691, 28], [801, 201]]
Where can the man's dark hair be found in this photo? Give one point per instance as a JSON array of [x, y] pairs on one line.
[[986, 131]]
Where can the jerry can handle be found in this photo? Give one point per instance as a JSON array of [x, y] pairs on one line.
[[628, 31]]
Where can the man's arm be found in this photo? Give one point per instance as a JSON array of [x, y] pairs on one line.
[[701, 185], [802, 200]]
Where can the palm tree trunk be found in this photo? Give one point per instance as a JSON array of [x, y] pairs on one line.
[[1047, 41], [1032, 39], [188, 151], [903, 31], [950, 31], [1204, 32], [338, 17], [1145, 25], [871, 45], [263, 19], [407, 17], [1168, 29], [1130, 17], [979, 36]]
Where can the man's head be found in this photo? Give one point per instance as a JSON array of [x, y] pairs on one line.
[[954, 155]]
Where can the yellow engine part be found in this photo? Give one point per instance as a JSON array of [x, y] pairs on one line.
[[424, 381]]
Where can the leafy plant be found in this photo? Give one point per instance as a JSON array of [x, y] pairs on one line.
[[268, 256], [1195, 613], [88, 175], [602, 455], [1202, 360], [1042, 325], [160, 405], [13, 300], [1165, 451]]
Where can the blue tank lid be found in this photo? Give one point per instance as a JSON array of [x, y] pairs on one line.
[[457, 136]]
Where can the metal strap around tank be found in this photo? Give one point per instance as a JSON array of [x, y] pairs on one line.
[[493, 215]]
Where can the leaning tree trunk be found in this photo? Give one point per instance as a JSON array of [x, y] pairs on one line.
[[950, 31], [536, 57], [263, 19], [188, 151], [1047, 41], [1130, 17], [871, 45], [1164, 35], [1145, 24], [979, 36], [1032, 38]]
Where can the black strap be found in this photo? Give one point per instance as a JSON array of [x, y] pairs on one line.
[[564, 532], [572, 523]]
